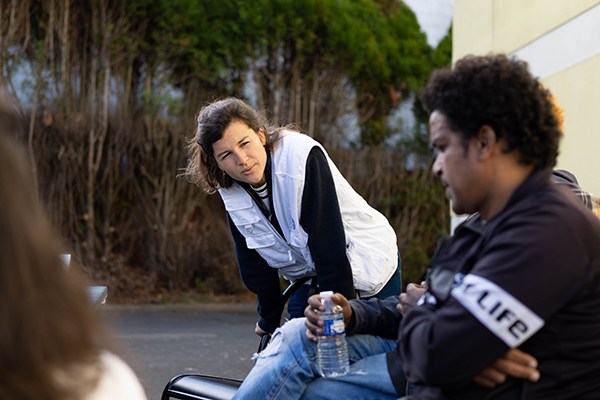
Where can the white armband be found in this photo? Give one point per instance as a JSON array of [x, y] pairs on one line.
[[500, 312]]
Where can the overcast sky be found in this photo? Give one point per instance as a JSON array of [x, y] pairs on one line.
[[434, 16]]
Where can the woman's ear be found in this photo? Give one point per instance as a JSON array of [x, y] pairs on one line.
[[261, 135]]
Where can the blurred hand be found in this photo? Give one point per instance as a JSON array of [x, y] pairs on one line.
[[514, 363], [314, 322], [259, 331], [408, 300]]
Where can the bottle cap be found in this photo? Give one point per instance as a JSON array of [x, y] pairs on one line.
[[326, 294]]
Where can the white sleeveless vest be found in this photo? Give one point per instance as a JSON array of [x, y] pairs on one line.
[[370, 240]]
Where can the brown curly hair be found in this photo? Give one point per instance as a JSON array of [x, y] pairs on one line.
[[498, 91]]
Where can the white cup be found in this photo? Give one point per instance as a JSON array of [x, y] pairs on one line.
[[66, 259]]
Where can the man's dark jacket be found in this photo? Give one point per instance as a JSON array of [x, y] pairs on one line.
[[530, 274]]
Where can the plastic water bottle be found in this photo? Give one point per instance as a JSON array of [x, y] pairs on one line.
[[332, 350]]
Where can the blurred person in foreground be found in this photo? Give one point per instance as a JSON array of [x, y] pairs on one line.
[[520, 275], [51, 344]]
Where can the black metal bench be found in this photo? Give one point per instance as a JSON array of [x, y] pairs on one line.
[[200, 387], [205, 387]]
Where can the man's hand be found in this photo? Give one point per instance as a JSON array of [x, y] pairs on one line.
[[314, 322], [408, 300], [513, 363], [259, 331]]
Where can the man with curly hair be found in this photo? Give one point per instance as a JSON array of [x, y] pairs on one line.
[[519, 280]]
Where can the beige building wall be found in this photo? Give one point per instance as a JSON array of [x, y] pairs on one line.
[[560, 39]]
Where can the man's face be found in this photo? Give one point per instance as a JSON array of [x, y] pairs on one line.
[[456, 166]]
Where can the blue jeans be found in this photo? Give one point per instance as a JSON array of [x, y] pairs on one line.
[[297, 302], [288, 369]]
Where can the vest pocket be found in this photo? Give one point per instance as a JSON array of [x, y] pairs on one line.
[[275, 253], [241, 210], [260, 241], [369, 267]]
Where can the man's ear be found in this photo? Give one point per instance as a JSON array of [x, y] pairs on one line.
[[487, 142]]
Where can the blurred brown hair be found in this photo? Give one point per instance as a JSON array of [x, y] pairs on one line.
[[47, 330]]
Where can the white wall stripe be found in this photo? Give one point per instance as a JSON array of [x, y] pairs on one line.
[[565, 46]]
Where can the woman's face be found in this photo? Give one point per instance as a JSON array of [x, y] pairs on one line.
[[240, 154]]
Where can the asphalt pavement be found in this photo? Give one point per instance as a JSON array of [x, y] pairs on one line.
[[161, 341]]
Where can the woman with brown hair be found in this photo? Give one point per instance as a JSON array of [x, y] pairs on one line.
[[51, 346], [290, 211]]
